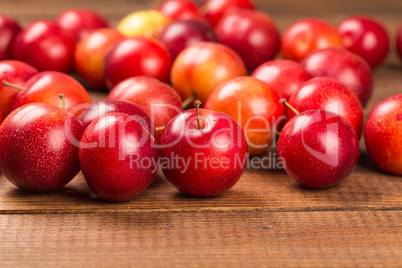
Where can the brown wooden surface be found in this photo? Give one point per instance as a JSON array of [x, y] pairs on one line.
[[265, 220]]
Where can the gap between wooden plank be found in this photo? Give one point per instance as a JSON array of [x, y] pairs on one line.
[[200, 210]]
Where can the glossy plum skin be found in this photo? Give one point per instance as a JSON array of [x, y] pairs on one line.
[[17, 73], [180, 9], [216, 154], [103, 107], [198, 75], [347, 67], [399, 42], [45, 87], [90, 54], [78, 22], [110, 152], [251, 33], [213, 10], [37, 153], [137, 56], [324, 93], [183, 33], [283, 76], [383, 134], [307, 35], [366, 37], [260, 109], [160, 101], [9, 30], [45, 46], [143, 23], [1, 116], [318, 148]]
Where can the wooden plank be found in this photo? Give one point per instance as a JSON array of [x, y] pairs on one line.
[[211, 239], [263, 190]]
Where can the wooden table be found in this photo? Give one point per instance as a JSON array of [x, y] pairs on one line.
[[265, 220]]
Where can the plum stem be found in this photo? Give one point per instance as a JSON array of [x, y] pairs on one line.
[[189, 100], [160, 128], [197, 104], [8, 84], [63, 101], [289, 106], [276, 131]]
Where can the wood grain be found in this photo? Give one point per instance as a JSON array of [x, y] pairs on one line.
[[211, 239], [266, 220]]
